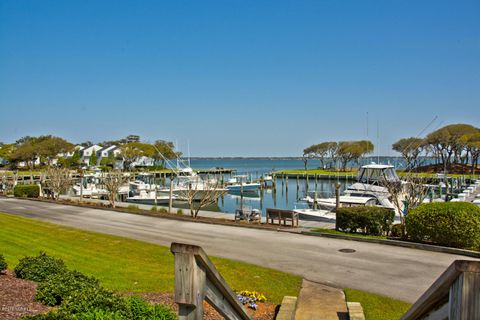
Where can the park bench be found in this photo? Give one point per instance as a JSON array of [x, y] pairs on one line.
[[283, 216]]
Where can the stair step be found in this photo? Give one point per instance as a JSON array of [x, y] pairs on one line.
[[355, 311], [320, 302], [287, 309]]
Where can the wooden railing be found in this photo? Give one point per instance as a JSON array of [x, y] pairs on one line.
[[196, 280], [454, 295]]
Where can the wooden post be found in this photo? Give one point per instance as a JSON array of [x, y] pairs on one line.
[[189, 287], [464, 297], [337, 196], [170, 199]]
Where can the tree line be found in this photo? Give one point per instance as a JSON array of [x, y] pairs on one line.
[[48, 150], [333, 154], [455, 144]]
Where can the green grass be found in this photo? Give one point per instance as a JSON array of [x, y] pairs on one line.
[[376, 307], [127, 265], [357, 235], [349, 172]]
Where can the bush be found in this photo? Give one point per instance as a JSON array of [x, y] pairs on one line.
[[91, 298], [139, 309], [162, 210], [453, 224], [39, 268], [371, 220], [133, 207], [26, 191], [397, 230], [57, 287], [180, 212], [3, 263]]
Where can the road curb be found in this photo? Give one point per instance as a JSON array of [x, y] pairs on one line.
[[398, 243]]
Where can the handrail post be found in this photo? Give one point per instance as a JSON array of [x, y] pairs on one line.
[[190, 284]]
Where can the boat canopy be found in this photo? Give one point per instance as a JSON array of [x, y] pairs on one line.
[[377, 173]]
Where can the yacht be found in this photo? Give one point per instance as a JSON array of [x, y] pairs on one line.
[[369, 190]]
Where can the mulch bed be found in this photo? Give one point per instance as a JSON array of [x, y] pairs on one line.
[[17, 297], [265, 311]]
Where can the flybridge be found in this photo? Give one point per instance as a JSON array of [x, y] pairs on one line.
[[377, 173]]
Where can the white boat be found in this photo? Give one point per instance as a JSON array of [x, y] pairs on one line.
[[149, 197], [368, 191], [88, 188], [240, 183], [315, 214]]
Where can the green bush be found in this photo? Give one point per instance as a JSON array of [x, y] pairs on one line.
[[3, 263], [39, 268], [141, 310], [453, 224], [100, 314], [162, 210], [26, 191], [91, 298], [371, 220], [180, 212], [133, 207], [57, 287], [397, 230]]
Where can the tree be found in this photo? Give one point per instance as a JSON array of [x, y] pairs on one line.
[[58, 180], [112, 181], [167, 150], [92, 161], [447, 142], [349, 151], [472, 145], [200, 194], [407, 194], [410, 149], [133, 151], [25, 151], [50, 147]]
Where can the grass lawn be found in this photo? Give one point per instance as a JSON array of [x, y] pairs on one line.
[[358, 235], [349, 172], [376, 307], [126, 265]]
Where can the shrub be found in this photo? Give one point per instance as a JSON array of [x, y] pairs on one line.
[[454, 224], [57, 287], [3, 263], [180, 212], [397, 230], [133, 207], [100, 314], [162, 210], [139, 309], [26, 191], [90, 298], [371, 220], [39, 268], [153, 209]]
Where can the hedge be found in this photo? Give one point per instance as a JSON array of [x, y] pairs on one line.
[[370, 220], [453, 224], [3, 263], [26, 191]]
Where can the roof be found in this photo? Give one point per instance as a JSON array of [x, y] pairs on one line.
[[377, 166]]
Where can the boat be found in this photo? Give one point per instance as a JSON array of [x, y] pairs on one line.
[[315, 215], [87, 187], [369, 190], [149, 197], [240, 183]]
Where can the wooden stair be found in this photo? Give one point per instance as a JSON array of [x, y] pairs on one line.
[[319, 302]]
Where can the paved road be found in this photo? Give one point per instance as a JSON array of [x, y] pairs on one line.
[[397, 272]]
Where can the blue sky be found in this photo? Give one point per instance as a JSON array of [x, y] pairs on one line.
[[236, 77]]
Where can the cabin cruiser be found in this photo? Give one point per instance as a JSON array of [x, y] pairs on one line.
[[87, 187], [240, 183], [370, 190]]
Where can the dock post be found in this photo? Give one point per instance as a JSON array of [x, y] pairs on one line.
[[286, 183], [337, 196]]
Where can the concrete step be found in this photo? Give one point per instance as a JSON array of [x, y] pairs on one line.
[[355, 311], [287, 309], [320, 302]]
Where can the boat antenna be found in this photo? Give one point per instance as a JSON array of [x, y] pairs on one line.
[[378, 143]]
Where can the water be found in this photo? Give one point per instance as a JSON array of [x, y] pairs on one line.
[[282, 197]]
